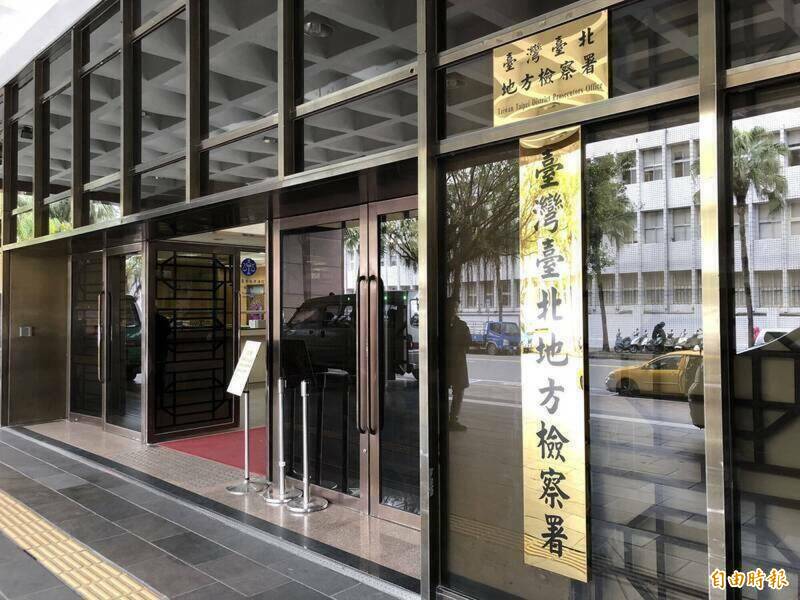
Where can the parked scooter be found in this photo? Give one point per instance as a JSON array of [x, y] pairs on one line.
[[696, 339], [669, 343], [622, 344], [656, 342], [638, 342], [682, 340]]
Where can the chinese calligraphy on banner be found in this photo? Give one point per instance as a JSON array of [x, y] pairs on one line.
[[551, 323], [554, 69]]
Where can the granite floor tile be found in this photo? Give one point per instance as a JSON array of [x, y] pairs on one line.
[[242, 574], [25, 576], [90, 528], [36, 496], [62, 509], [254, 548], [192, 548], [126, 549], [150, 527], [102, 502], [170, 576], [61, 480], [61, 592], [314, 576], [215, 591], [290, 591], [362, 592]]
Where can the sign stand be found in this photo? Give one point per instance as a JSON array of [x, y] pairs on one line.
[[281, 495], [236, 387], [307, 503]]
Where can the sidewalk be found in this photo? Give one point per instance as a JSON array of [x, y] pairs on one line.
[[177, 549]]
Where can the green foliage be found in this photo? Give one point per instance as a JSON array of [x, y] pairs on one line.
[[756, 163]]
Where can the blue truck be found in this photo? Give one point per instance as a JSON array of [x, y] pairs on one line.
[[497, 338]]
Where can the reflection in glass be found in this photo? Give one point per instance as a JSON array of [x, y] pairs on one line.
[[58, 66], [24, 134], [103, 33], [125, 319], [160, 187], [319, 272], [376, 123], [760, 29], [103, 203], [399, 361], [243, 162], [343, 43], [243, 63], [58, 112], [59, 217], [24, 89], [467, 91], [87, 284], [162, 89], [765, 341], [647, 460], [24, 226], [104, 108]]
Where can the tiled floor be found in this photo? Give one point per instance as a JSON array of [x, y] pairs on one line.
[[382, 542], [180, 551]]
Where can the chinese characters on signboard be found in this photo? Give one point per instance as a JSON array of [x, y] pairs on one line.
[[554, 69], [551, 323]]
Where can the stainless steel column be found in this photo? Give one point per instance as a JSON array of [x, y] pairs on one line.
[[247, 485], [280, 494], [307, 503]]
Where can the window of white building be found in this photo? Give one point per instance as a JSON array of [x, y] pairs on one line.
[[794, 217], [653, 221], [609, 291], [770, 288], [652, 167], [794, 288], [653, 287], [629, 175], [630, 288], [471, 294], [793, 141], [769, 222], [488, 294], [681, 283], [505, 293], [681, 224], [680, 159]]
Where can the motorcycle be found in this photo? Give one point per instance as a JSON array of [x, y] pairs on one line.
[[680, 343], [622, 344], [639, 342], [696, 339], [669, 343], [656, 344]]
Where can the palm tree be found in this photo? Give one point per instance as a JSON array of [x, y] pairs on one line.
[[610, 218], [757, 164]]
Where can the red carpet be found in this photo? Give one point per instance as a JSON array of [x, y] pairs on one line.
[[227, 448]]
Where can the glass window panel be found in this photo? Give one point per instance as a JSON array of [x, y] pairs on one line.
[[58, 216], [24, 133], [103, 203], [163, 90], [103, 33], [243, 58], [59, 115], [761, 29], [764, 342], [58, 66], [653, 221], [647, 481], [24, 89], [160, 187], [681, 224], [653, 42], [372, 124], [104, 119], [467, 91], [24, 226], [147, 9], [343, 43], [244, 162], [467, 20]]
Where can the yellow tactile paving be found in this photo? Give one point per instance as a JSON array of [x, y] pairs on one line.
[[89, 574]]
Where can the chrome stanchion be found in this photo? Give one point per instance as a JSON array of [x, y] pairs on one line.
[[307, 503], [247, 485], [280, 494]]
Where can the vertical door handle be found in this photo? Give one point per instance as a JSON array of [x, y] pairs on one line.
[[100, 374], [374, 367], [362, 391]]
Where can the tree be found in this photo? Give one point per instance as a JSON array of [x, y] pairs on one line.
[[610, 218], [756, 164]]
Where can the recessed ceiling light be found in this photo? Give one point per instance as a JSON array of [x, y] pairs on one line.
[[454, 80], [317, 29], [269, 140]]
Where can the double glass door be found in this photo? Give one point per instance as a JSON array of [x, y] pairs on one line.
[[106, 339], [348, 325]]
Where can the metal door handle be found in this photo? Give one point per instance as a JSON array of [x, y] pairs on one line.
[[361, 390], [374, 354], [100, 375]]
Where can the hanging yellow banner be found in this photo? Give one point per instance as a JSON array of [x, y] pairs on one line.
[[558, 68], [551, 324]]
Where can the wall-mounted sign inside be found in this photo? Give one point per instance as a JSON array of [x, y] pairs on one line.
[[249, 267], [551, 324], [557, 68]]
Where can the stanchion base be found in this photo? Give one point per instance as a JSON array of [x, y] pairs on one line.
[[246, 487], [303, 506], [273, 495]]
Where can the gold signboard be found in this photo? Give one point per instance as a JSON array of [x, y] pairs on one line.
[[551, 323], [554, 69]]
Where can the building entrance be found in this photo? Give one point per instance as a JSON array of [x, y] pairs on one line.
[[348, 321], [107, 339]]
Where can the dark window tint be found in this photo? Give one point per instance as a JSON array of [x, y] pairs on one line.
[[147, 9], [243, 162], [760, 29], [102, 34], [160, 187], [372, 124], [58, 112], [467, 91], [24, 91], [104, 107], [343, 43], [103, 203], [467, 20], [163, 90], [58, 66], [58, 216], [243, 63], [24, 134]]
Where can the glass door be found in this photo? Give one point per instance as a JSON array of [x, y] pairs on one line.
[[106, 339], [347, 325]]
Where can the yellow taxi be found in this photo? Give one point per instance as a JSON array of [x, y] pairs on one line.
[[667, 375]]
